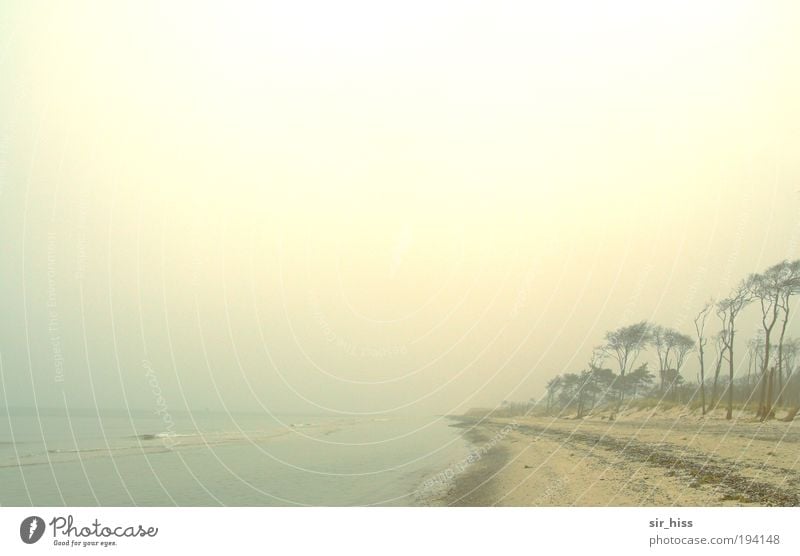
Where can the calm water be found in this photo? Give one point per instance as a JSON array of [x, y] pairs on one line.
[[117, 459]]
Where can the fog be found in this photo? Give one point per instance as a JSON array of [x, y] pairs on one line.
[[352, 210]]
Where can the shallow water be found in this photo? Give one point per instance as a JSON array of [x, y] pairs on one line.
[[83, 458]]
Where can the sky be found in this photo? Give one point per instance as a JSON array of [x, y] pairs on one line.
[[368, 207]]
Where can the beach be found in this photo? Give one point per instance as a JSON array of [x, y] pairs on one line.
[[638, 459]]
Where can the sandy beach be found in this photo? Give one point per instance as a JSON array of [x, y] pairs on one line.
[[639, 459]]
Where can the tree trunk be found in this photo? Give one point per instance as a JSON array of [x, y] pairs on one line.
[[729, 414], [762, 395], [764, 402], [780, 348], [702, 381], [769, 412], [714, 402]]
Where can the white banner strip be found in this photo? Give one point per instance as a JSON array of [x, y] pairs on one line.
[[400, 531]]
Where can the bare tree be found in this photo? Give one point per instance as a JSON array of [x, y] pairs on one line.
[[625, 344], [727, 310], [755, 354], [791, 349], [790, 286], [700, 328], [719, 348], [791, 385], [767, 288]]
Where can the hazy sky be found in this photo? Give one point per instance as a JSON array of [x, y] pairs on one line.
[[364, 206]]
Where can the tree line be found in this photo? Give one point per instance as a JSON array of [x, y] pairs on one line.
[[772, 380]]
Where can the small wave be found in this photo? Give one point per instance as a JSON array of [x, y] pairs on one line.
[[77, 450], [170, 435]]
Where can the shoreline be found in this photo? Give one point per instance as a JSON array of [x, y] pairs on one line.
[[467, 481], [547, 461]]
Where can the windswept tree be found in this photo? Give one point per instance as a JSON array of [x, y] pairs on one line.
[[605, 381], [639, 379], [553, 385], [684, 345], [755, 355], [625, 344], [790, 286], [702, 340], [791, 388], [790, 351], [581, 390], [719, 358], [672, 347], [602, 379], [658, 337], [569, 390], [586, 387], [728, 310], [767, 289], [590, 382], [771, 379]]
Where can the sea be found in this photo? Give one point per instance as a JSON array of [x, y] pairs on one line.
[[51, 457]]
